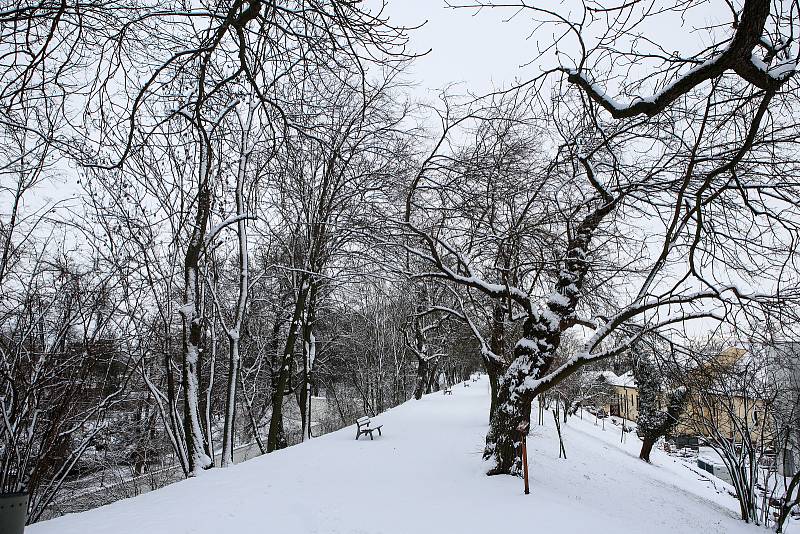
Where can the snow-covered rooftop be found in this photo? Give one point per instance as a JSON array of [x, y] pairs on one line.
[[601, 376], [625, 380]]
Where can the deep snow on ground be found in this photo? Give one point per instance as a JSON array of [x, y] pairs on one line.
[[425, 475]]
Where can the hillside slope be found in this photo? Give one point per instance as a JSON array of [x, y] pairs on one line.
[[425, 475]]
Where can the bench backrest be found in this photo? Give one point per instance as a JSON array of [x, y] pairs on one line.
[[362, 421]]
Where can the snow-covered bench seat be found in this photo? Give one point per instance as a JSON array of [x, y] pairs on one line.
[[363, 427]]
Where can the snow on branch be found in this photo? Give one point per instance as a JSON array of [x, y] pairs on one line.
[[469, 279], [215, 230], [737, 56], [462, 315], [586, 355]]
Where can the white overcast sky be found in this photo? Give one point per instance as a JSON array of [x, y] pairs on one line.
[[491, 48], [481, 51]]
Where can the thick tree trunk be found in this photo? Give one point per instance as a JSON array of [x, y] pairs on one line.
[[503, 440], [430, 387], [534, 353], [647, 446], [494, 368], [277, 433]]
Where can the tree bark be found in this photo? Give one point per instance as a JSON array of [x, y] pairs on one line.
[[422, 376], [434, 369], [276, 438], [647, 446], [494, 369], [535, 352], [309, 354], [234, 332], [197, 448]]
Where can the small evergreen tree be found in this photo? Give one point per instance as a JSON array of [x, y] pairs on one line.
[[652, 421]]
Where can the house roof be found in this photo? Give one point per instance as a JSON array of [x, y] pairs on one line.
[[602, 376], [626, 380]]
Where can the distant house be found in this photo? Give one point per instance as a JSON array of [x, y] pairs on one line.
[[625, 402], [730, 396], [622, 399]]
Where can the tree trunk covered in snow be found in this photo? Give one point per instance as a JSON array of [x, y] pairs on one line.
[[515, 397], [309, 355], [534, 353], [197, 448], [234, 331]]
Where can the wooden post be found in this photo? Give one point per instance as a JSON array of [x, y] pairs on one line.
[[523, 432]]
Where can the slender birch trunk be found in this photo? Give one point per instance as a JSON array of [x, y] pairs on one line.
[[309, 355], [234, 331]]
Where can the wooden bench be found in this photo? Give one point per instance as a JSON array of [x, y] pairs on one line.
[[476, 378], [466, 383], [448, 391], [363, 428]]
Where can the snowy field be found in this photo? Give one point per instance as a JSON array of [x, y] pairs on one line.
[[425, 475]]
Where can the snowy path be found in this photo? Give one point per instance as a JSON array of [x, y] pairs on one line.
[[425, 475]]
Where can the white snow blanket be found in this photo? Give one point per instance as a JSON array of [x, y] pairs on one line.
[[425, 475]]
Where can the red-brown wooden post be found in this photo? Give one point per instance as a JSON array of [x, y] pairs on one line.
[[523, 431]]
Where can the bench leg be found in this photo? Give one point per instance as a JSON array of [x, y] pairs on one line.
[[379, 432], [370, 436]]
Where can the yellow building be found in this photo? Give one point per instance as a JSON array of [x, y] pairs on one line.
[[717, 402], [727, 399], [625, 400], [622, 397]]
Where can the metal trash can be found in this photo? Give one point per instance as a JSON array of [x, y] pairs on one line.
[[13, 512]]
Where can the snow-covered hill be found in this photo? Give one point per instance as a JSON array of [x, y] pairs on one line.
[[425, 475]]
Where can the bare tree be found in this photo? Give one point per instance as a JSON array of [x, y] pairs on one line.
[[705, 173]]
